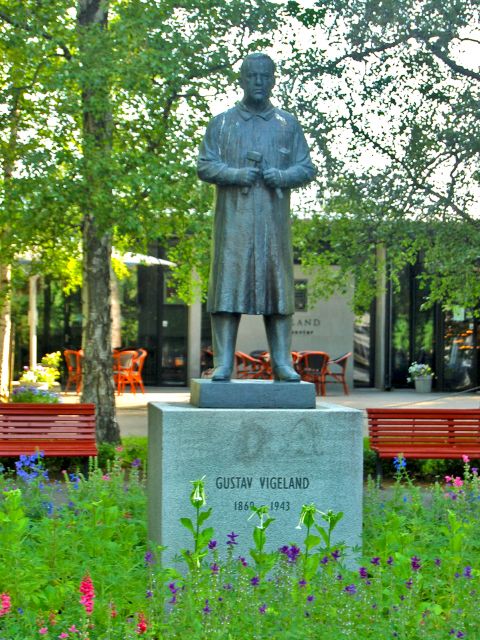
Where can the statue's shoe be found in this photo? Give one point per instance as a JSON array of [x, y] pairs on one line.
[[222, 374], [285, 373]]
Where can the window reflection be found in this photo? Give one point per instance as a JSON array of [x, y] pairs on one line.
[[459, 350]]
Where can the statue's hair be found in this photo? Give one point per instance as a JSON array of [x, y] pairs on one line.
[[256, 56]]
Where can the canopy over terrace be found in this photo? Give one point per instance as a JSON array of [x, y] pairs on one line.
[[128, 258]]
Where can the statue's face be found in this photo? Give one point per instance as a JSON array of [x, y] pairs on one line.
[[257, 81]]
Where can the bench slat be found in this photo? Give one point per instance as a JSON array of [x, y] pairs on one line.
[[424, 433], [55, 429]]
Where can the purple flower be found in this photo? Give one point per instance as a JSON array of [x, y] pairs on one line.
[[437, 562], [254, 581], [325, 560], [302, 583], [136, 463], [212, 544], [351, 589], [149, 594], [263, 608], [215, 568], [231, 538], [243, 561], [475, 471], [339, 577], [409, 583], [310, 598], [149, 558], [172, 588], [336, 554], [206, 608], [399, 463], [467, 572], [363, 573], [390, 560], [228, 586], [375, 561], [292, 552], [415, 563]]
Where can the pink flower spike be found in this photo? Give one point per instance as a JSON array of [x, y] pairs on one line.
[[458, 482], [43, 631], [106, 477], [448, 479], [73, 629], [466, 459], [88, 594], [63, 635], [119, 449], [5, 604]]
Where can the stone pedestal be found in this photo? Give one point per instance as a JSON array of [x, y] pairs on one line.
[[252, 394], [282, 458]]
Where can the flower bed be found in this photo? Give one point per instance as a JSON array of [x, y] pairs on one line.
[[74, 563]]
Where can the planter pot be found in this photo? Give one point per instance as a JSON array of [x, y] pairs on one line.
[[423, 384]]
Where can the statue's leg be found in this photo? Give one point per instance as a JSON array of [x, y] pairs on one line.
[[224, 337], [279, 336]]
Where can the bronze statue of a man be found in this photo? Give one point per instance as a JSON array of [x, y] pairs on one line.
[[254, 153]]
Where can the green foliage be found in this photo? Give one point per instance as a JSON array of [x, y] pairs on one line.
[[416, 578], [389, 94], [26, 393]]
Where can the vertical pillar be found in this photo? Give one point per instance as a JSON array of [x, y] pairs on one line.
[[194, 339], [33, 319], [380, 318]]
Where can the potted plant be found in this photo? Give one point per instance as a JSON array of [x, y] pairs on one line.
[[45, 374], [421, 375]]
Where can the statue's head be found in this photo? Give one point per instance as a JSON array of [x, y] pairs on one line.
[[257, 78]]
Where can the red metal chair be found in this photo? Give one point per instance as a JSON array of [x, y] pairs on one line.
[[248, 367], [338, 374], [312, 367], [138, 368], [123, 370], [73, 360]]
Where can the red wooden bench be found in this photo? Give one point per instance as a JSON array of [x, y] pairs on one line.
[[424, 433], [55, 429]]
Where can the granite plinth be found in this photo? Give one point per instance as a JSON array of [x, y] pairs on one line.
[[252, 394], [281, 458]]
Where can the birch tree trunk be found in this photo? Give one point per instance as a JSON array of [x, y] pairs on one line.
[[98, 384], [116, 311], [5, 331]]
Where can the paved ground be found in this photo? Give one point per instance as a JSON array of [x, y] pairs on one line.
[[132, 408]]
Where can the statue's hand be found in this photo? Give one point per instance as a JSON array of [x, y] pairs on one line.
[[273, 178], [247, 176]]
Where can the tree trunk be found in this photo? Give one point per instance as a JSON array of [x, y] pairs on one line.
[[98, 384], [116, 311], [5, 331]]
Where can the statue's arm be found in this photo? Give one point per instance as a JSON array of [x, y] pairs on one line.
[[210, 166], [302, 170]]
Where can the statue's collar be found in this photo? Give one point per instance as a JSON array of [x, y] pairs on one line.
[[246, 114]]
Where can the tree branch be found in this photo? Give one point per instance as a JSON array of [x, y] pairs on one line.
[[419, 184], [26, 27], [358, 56], [454, 66]]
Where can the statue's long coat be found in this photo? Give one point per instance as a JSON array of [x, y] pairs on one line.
[[252, 262]]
